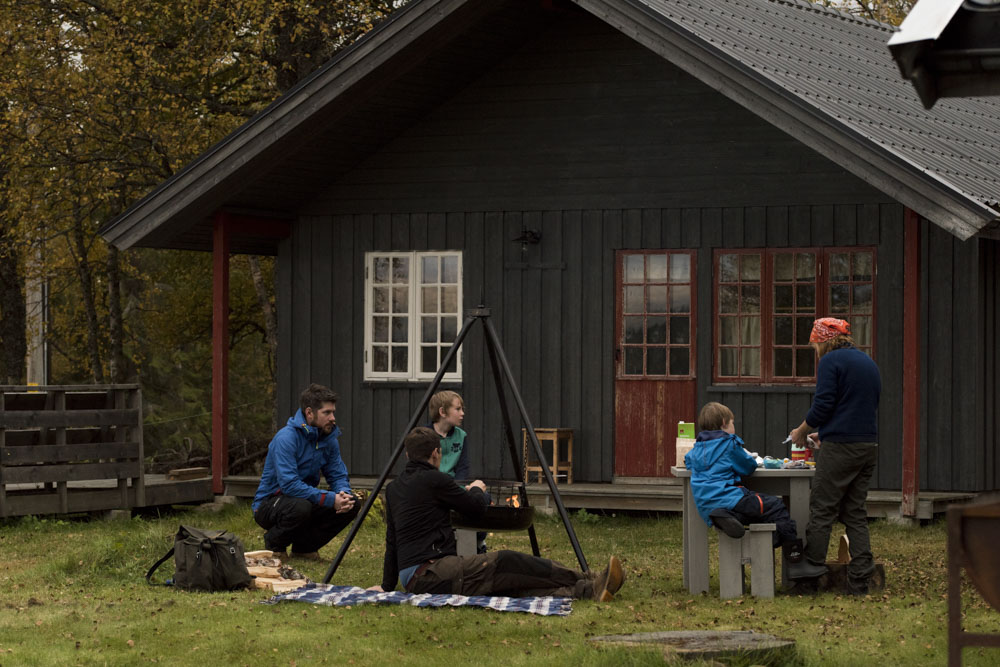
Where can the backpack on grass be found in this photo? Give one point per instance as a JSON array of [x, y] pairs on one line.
[[206, 560]]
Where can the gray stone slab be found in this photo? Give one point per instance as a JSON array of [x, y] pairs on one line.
[[760, 648]]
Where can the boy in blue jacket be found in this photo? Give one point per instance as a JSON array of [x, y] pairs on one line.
[[717, 463], [288, 504]]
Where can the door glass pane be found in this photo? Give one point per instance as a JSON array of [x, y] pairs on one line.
[[428, 358], [803, 327], [728, 361], [680, 299], [400, 299], [633, 268], [633, 300], [840, 298], [656, 330], [784, 266], [729, 330], [840, 266], [633, 361], [750, 331], [429, 299], [863, 298], [680, 330], [750, 267], [380, 300], [380, 358], [657, 298], [449, 299], [783, 333], [400, 329], [728, 298], [430, 269], [399, 359], [381, 269], [727, 268], [680, 361], [633, 329], [453, 364], [429, 329], [861, 330], [783, 299], [783, 362], [805, 362], [656, 268], [805, 297], [750, 298], [805, 266], [449, 269], [750, 358], [656, 361], [400, 269], [680, 268], [862, 266], [449, 329]]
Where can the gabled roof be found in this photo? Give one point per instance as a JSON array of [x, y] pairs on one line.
[[824, 77]]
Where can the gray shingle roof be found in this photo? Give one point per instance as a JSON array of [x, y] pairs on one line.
[[839, 64]]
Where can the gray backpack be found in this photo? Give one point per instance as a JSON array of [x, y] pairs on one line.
[[206, 560]]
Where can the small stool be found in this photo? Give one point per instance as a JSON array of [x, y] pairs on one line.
[[562, 441], [756, 549]]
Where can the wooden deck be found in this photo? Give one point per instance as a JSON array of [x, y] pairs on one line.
[[660, 496], [101, 495]]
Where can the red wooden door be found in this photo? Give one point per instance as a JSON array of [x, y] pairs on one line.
[[654, 357]]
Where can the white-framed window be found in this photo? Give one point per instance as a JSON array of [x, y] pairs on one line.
[[413, 308]]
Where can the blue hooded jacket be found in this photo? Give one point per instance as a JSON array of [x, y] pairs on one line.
[[296, 457], [717, 462]]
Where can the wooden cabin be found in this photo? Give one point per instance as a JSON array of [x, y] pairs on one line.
[[654, 199]]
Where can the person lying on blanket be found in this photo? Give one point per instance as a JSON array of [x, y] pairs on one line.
[[420, 550]]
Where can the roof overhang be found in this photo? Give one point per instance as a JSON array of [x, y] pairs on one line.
[[950, 48]]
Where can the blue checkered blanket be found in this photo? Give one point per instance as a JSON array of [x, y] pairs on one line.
[[342, 596]]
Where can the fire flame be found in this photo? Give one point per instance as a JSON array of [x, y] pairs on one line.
[[513, 501]]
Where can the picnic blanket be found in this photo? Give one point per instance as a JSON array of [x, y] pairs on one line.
[[342, 596]]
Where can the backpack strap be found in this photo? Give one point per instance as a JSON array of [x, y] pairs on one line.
[[158, 564]]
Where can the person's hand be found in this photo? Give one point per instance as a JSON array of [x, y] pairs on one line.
[[813, 441], [377, 588], [343, 502], [478, 484], [798, 435]]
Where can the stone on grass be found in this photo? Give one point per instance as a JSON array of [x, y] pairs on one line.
[[752, 648]]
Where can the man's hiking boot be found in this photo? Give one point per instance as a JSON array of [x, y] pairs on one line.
[[806, 570], [308, 555], [609, 581], [727, 522], [792, 551]]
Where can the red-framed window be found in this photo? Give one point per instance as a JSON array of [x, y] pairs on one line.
[[765, 301]]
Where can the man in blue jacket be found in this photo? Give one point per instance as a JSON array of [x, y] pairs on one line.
[[288, 504]]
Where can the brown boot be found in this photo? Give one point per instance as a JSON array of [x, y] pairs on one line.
[[609, 581], [308, 555]]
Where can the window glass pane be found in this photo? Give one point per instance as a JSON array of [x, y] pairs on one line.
[[728, 330], [399, 359], [400, 329], [783, 299], [657, 298], [783, 333], [381, 269], [728, 298], [449, 299], [727, 268], [784, 266], [783, 362], [750, 331], [840, 266], [429, 329], [400, 269], [680, 361], [805, 297], [430, 269], [633, 329], [400, 299], [862, 266], [840, 298], [656, 330], [380, 358], [656, 268], [803, 327], [449, 329], [805, 266], [380, 300], [634, 268], [805, 362], [428, 358], [380, 329], [750, 298], [728, 361], [750, 267], [680, 268], [429, 299], [453, 364], [750, 358], [680, 330], [633, 300], [449, 269], [863, 298], [656, 361], [633, 361], [680, 299], [861, 330]]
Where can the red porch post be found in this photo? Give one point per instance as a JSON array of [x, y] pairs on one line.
[[220, 350], [911, 363]]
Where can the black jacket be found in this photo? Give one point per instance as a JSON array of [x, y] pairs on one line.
[[417, 518]]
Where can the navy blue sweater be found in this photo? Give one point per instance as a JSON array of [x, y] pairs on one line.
[[845, 407]]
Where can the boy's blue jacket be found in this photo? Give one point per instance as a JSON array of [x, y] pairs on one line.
[[717, 462], [295, 459]]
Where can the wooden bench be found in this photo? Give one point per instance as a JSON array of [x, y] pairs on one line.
[[755, 549], [56, 441]]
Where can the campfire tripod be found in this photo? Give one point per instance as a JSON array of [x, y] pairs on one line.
[[498, 363]]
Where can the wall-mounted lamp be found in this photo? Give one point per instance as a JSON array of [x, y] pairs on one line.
[[532, 236]]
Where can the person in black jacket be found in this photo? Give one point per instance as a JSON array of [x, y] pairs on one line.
[[420, 548]]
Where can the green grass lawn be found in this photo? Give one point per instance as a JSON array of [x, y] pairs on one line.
[[72, 592]]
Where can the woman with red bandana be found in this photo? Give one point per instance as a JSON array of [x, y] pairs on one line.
[[845, 413]]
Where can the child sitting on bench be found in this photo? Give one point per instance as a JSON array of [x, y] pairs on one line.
[[717, 463]]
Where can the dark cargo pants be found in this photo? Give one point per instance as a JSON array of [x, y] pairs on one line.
[[502, 573], [305, 526], [839, 490]]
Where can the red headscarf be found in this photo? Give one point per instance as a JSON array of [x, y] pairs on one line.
[[826, 328]]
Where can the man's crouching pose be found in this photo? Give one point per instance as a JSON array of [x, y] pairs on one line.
[[420, 544]]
